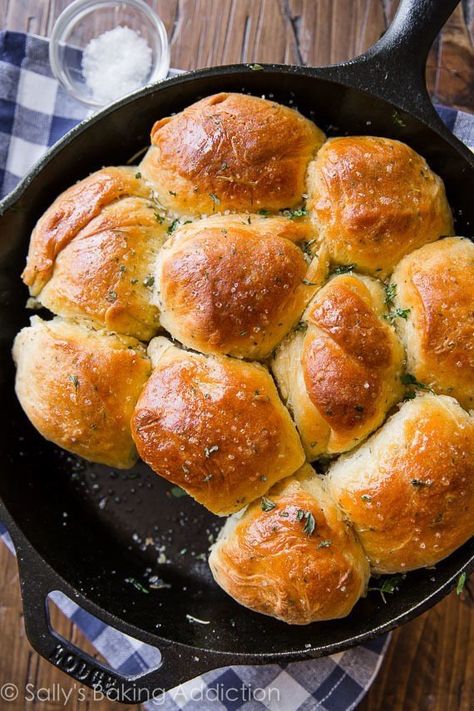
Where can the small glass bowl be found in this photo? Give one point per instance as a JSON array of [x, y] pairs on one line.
[[84, 20]]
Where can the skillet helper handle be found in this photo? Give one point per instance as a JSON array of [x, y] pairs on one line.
[[178, 663], [395, 66]]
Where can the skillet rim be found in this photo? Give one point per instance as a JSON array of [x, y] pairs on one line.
[[28, 554]]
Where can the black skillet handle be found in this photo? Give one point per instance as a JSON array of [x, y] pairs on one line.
[[394, 68], [179, 663]]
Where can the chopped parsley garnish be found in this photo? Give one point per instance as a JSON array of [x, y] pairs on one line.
[[149, 281], [177, 492], [255, 67], [265, 213], [324, 544], [295, 214], [159, 218], [397, 313], [173, 226], [215, 199], [224, 165], [306, 247], [343, 268], [308, 518], [172, 193], [111, 296], [301, 326], [310, 524], [133, 281], [306, 282], [137, 585], [398, 119], [390, 293], [388, 586], [461, 583], [208, 451], [138, 175], [410, 380], [420, 483], [74, 380], [366, 497], [267, 504]]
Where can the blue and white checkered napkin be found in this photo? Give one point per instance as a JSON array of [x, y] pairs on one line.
[[34, 113]]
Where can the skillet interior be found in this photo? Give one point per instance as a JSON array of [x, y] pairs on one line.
[[96, 527]]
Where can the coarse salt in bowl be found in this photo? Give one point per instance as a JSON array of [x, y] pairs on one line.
[[101, 50]]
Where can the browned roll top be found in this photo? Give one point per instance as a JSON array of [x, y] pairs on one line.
[[409, 490], [79, 386], [435, 287], [72, 211], [236, 284], [291, 555], [214, 426], [373, 200], [231, 151], [342, 374]]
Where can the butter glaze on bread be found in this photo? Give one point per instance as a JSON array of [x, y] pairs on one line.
[[214, 426], [78, 387], [341, 376], [72, 211], [409, 490], [269, 561], [436, 284], [236, 284], [105, 273], [226, 236], [230, 152], [373, 200]]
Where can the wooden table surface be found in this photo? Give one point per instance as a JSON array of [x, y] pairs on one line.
[[430, 662]]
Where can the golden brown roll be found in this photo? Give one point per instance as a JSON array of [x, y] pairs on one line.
[[236, 284], [339, 372], [434, 288], [373, 200], [230, 152], [72, 211], [106, 272], [214, 426], [409, 490], [291, 555], [78, 387]]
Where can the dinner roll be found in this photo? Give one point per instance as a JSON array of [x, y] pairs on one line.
[[434, 288], [339, 372], [106, 272], [373, 200], [409, 490], [72, 211], [230, 152], [291, 555], [78, 387], [214, 426], [236, 284]]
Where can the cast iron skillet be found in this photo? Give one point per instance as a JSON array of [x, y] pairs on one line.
[[84, 529]]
